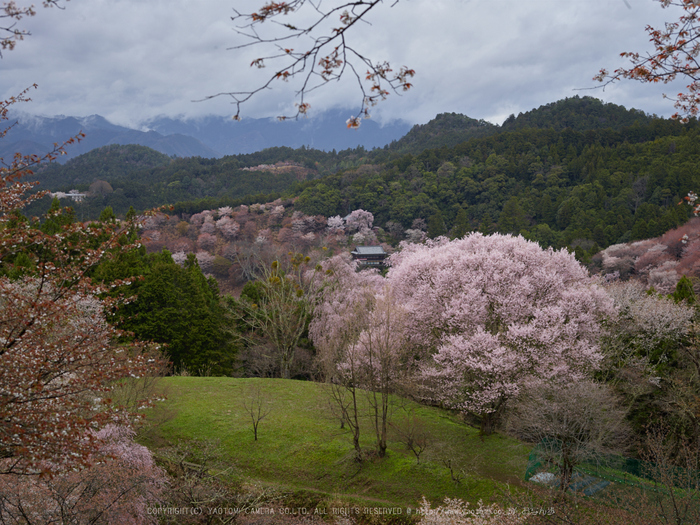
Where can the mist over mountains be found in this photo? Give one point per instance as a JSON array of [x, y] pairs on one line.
[[208, 137]]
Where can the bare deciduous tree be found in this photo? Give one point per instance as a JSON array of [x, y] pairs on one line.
[[199, 479], [675, 469], [412, 431], [572, 423], [256, 404], [344, 404], [283, 311]]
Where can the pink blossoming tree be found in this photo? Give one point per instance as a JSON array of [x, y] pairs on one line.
[[345, 302], [118, 488], [359, 220], [496, 314]]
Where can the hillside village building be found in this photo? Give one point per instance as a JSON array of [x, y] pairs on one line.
[[369, 256]]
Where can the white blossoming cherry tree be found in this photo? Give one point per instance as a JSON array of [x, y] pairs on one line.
[[495, 314], [473, 322]]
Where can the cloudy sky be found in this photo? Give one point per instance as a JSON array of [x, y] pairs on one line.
[[131, 60]]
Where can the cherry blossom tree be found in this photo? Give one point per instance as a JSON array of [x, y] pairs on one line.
[[276, 214], [198, 219], [493, 314], [119, 487], [376, 359], [336, 225], [208, 226], [415, 236], [326, 57], [59, 359], [643, 322], [360, 336], [206, 241], [676, 50], [651, 356], [359, 220], [225, 211], [228, 227], [344, 305], [364, 238], [205, 261]]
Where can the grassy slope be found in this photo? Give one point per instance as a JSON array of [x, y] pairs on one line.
[[301, 446]]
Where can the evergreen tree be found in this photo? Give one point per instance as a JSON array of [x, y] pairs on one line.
[[640, 230], [107, 215], [56, 219], [461, 226], [436, 225], [512, 218], [684, 291], [176, 306]]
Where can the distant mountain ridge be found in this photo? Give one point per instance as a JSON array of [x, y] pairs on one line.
[[578, 114], [446, 129], [215, 136], [207, 137], [144, 178], [325, 131], [38, 134]]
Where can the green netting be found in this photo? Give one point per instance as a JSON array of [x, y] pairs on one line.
[[612, 468]]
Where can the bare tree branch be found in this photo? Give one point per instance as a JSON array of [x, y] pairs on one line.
[[257, 405], [327, 58], [10, 14], [676, 52]]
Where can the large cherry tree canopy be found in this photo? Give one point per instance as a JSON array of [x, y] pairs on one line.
[[496, 313]]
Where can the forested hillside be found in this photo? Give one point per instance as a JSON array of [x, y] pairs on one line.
[[572, 173], [576, 113], [556, 187], [579, 114], [446, 129], [143, 178]]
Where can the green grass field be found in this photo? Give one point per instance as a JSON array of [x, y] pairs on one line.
[[301, 446]]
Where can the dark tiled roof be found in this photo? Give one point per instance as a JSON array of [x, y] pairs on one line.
[[369, 250]]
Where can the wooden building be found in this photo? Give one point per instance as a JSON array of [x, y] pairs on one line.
[[369, 256]]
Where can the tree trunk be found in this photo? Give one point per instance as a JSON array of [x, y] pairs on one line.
[[487, 424], [567, 470], [286, 365], [489, 421], [356, 426]]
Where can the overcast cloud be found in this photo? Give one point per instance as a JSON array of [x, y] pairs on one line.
[[131, 60]]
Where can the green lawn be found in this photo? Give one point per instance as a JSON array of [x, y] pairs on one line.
[[301, 446]]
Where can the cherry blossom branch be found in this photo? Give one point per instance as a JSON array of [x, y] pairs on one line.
[[326, 59], [10, 14], [59, 358], [676, 51]]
